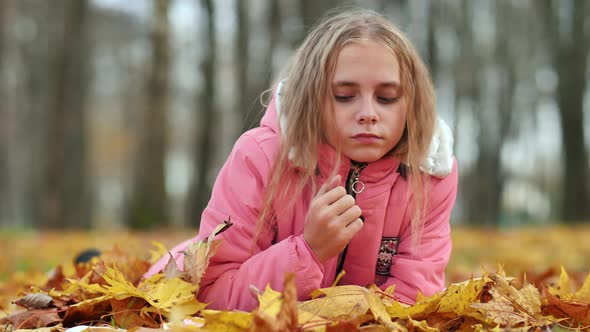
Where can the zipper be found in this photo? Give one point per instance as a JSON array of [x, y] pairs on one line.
[[353, 186], [353, 183]]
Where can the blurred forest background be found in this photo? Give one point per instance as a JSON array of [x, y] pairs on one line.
[[119, 114]]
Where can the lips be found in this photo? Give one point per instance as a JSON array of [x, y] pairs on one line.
[[366, 138], [366, 135]]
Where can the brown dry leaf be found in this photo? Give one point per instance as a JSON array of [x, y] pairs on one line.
[[34, 301], [197, 258], [56, 279], [288, 315], [577, 313], [171, 269], [261, 322], [32, 319], [127, 313], [86, 313], [197, 255], [511, 307]]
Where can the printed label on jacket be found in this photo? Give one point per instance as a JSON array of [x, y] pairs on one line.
[[387, 250]]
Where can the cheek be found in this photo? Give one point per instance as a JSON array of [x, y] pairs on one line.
[[398, 124]]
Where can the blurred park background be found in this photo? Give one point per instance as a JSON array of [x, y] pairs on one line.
[[117, 115]]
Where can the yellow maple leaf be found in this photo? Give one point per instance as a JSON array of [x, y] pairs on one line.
[[160, 292], [422, 325], [379, 311], [564, 287], [455, 300], [226, 321], [270, 302], [458, 297], [583, 294], [158, 252], [165, 293], [339, 302]]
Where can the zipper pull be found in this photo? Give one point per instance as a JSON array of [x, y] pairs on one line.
[[356, 185]]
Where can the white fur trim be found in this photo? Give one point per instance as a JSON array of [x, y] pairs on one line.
[[439, 161], [282, 118]]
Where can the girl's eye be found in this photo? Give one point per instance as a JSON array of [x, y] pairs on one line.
[[385, 100], [343, 99]]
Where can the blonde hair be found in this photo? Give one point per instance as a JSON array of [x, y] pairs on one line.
[[308, 82]]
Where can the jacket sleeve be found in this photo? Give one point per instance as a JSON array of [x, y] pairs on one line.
[[422, 269], [239, 263]]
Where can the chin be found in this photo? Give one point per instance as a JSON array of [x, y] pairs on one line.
[[365, 157]]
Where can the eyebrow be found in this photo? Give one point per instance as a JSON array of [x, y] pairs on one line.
[[392, 84]]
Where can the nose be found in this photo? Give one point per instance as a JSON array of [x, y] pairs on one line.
[[367, 113]]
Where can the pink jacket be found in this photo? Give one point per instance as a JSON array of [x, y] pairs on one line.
[[383, 244]]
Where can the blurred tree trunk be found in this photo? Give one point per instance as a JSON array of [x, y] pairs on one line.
[[5, 122], [245, 99], [66, 201], [491, 174], [252, 86], [32, 96], [569, 53], [434, 9], [149, 202], [467, 72], [200, 190], [486, 179]]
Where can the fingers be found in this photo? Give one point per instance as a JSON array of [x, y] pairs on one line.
[[333, 196], [332, 183], [353, 228], [351, 214]]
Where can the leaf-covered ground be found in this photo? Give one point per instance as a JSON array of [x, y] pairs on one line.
[[108, 292]]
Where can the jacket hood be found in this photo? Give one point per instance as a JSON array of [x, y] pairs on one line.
[[438, 162]]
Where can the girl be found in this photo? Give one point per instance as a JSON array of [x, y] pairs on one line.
[[349, 170]]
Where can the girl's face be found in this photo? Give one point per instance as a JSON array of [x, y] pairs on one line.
[[369, 108]]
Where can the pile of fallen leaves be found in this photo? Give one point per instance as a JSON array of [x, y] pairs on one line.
[[109, 292]]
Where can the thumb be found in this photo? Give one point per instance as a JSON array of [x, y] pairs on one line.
[[332, 183]]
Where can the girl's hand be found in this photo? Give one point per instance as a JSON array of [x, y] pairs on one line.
[[332, 220]]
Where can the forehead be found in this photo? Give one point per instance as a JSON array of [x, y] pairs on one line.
[[366, 62]]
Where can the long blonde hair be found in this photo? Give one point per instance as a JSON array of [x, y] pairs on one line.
[[308, 82]]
